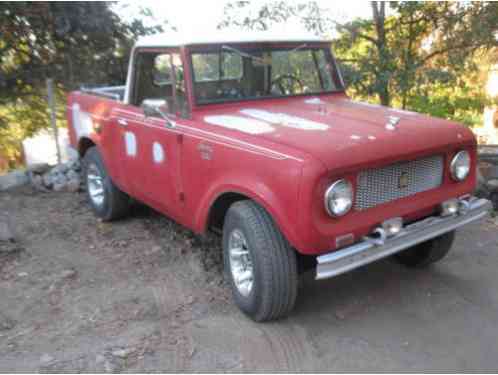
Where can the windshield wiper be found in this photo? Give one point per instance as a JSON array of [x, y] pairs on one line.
[[243, 54], [298, 47]]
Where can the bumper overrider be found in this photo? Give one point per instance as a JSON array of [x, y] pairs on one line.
[[382, 244]]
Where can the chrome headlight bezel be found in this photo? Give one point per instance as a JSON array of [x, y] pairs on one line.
[[340, 190], [456, 163]]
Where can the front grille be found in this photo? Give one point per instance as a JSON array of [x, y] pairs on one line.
[[399, 180]]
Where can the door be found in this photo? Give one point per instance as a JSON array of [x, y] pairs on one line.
[[151, 145]]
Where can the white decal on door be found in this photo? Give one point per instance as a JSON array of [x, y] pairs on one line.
[[157, 153], [131, 144]]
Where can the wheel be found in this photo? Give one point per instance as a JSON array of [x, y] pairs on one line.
[[107, 201], [259, 263], [427, 252]]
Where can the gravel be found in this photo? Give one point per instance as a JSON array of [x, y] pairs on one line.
[[144, 294]]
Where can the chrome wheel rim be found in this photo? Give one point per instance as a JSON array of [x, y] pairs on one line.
[[95, 185], [241, 265]]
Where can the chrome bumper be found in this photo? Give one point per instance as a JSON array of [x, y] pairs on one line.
[[371, 249]]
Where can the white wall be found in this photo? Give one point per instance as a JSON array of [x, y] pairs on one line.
[[41, 148]]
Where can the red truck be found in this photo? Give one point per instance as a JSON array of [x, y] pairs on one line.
[[253, 137]]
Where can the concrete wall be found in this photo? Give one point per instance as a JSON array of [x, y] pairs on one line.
[[41, 148]]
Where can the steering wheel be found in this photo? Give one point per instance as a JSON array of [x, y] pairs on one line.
[[287, 84]]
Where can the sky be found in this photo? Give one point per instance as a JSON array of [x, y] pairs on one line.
[[207, 14]]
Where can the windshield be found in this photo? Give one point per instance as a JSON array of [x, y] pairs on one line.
[[230, 73]]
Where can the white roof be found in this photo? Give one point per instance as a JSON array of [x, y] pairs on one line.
[[177, 39]]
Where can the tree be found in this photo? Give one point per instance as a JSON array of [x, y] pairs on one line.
[[74, 43], [395, 55]]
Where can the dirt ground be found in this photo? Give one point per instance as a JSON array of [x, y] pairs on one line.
[[144, 294]]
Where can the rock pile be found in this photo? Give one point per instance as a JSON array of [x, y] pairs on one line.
[[62, 177]]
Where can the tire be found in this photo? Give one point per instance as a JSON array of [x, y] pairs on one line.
[[112, 203], [274, 265], [428, 252]]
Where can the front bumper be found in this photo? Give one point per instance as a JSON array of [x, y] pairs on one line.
[[371, 249]]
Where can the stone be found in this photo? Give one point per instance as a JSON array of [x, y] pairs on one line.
[[74, 165], [13, 180], [72, 175], [37, 182], [60, 179], [60, 168], [38, 168], [48, 180], [73, 186]]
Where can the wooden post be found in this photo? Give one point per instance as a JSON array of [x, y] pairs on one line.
[[51, 106]]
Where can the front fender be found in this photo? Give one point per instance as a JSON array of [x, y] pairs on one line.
[[281, 206]]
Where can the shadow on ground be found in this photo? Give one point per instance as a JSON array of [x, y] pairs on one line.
[[145, 294]]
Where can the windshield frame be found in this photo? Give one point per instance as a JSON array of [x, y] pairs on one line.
[[248, 48]]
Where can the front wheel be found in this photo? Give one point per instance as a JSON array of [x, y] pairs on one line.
[[107, 201], [427, 252], [260, 264]]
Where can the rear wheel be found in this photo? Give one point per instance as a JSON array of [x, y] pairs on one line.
[[427, 252], [106, 200], [259, 263]]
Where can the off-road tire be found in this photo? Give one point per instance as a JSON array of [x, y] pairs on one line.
[[275, 282], [116, 203], [427, 252]]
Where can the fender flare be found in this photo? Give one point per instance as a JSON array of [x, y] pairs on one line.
[[267, 199]]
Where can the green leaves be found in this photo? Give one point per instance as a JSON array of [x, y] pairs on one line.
[[75, 43], [416, 55]]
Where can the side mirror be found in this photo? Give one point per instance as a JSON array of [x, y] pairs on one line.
[[155, 107]]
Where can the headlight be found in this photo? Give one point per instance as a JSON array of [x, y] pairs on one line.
[[460, 166], [339, 198]]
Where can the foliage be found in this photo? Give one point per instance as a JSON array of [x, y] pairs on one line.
[[74, 43], [417, 55]]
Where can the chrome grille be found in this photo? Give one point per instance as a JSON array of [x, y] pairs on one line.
[[395, 181]]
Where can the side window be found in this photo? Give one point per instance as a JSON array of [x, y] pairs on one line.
[[162, 70], [159, 76], [205, 67]]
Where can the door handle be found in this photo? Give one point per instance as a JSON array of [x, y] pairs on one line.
[[122, 122]]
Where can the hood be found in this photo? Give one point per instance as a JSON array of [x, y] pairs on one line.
[[339, 132]]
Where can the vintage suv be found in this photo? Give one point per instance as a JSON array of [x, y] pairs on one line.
[[253, 137]]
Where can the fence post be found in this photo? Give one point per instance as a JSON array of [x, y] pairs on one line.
[[51, 106]]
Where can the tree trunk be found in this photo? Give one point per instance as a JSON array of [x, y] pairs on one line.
[[379, 16], [384, 96]]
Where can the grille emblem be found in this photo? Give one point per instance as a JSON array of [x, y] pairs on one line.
[[403, 180]]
